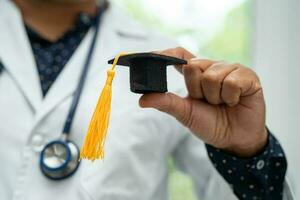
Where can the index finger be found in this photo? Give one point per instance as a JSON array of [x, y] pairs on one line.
[[184, 54], [203, 64], [177, 52]]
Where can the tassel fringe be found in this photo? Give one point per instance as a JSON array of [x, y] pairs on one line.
[[93, 146]]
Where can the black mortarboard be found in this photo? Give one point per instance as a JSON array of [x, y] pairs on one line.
[[148, 71]]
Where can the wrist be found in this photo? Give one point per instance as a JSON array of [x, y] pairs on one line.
[[250, 148]]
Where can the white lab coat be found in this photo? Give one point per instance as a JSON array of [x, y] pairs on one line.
[[139, 141]]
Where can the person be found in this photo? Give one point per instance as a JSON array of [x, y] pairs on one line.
[[44, 44]]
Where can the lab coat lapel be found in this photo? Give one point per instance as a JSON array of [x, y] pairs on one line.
[[108, 44], [16, 54]]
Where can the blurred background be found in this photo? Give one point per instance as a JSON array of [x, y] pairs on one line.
[[261, 34]]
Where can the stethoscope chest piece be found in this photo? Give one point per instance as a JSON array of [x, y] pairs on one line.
[[59, 159]]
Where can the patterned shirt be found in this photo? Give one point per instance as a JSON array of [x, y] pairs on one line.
[[260, 177], [51, 57]]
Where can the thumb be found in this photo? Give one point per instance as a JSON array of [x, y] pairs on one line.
[[169, 103]]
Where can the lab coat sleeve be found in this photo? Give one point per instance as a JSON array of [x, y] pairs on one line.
[[288, 193], [190, 157]]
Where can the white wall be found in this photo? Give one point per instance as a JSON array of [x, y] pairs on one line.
[[276, 56]]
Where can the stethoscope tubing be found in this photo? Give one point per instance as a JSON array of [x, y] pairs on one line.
[[81, 83], [1, 67], [67, 168]]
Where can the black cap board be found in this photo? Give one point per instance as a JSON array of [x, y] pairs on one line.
[[148, 72]]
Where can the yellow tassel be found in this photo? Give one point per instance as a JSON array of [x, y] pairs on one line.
[[93, 146]]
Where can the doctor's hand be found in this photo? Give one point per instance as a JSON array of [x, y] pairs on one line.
[[225, 105]]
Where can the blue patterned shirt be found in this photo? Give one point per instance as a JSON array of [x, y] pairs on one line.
[[51, 57], [259, 177]]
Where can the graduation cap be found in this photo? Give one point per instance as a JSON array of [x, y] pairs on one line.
[[148, 73]]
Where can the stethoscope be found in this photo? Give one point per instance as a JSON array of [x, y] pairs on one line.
[[59, 159]]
